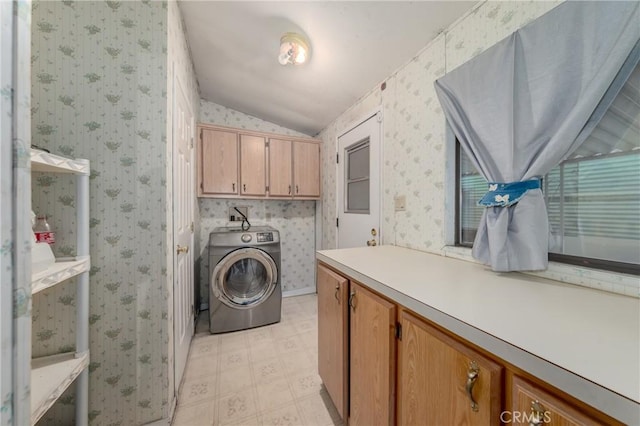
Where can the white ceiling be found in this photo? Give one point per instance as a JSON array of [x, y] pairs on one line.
[[354, 46]]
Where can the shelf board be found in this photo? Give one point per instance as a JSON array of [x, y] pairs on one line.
[[60, 271], [42, 161], [50, 377]]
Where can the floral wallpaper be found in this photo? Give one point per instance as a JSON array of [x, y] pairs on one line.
[[15, 229], [414, 141], [294, 219], [100, 91]]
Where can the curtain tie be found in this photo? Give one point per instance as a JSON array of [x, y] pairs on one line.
[[507, 194]]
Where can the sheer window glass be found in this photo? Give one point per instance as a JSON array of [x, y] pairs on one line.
[[357, 178], [593, 198]]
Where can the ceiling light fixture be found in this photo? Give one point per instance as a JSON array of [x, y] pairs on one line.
[[294, 49]]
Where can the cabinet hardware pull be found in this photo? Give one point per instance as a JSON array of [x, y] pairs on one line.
[[352, 299], [336, 293], [472, 377], [289, 189], [537, 414], [372, 242], [297, 189], [244, 187], [233, 185], [182, 249], [373, 232]]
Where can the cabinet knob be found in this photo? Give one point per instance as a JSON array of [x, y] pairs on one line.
[[336, 293], [182, 249], [372, 242], [472, 377], [538, 414]]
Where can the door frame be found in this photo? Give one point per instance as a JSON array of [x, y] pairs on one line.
[[174, 255], [377, 111]]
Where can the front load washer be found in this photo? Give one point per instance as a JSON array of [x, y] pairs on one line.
[[244, 278]]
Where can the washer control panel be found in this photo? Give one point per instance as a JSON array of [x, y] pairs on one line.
[[264, 237]]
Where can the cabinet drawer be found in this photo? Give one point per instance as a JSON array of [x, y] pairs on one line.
[[534, 405], [442, 381]]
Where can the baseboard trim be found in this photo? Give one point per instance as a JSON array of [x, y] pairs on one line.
[[299, 292]]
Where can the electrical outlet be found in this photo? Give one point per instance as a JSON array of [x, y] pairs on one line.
[[401, 203], [234, 216]]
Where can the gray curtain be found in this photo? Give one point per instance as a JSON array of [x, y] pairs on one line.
[[524, 105]]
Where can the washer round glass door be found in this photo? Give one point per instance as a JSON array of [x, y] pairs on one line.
[[245, 278]]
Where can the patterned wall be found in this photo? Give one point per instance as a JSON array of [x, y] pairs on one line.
[[414, 142], [414, 127], [294, 219], [100, 92]]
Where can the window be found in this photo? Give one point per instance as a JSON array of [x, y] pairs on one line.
[[593, 198], [357, 178]]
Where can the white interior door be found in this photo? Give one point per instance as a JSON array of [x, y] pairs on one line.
[[358, 174], [183, 192]]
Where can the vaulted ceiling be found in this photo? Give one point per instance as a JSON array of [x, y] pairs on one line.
[[355, 45]]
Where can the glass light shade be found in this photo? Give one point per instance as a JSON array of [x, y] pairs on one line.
[[294, 49]]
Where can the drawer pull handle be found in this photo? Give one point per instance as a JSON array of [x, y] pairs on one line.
[[289, 189], [352, 300], [472, 377], [233, 186], [336, 293], [297, 189], [538, 414], [244, 187]]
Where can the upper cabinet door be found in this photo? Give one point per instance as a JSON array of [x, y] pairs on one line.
[[306, 169], [442, 381], [219, 162], [253, 165], [280, 168]]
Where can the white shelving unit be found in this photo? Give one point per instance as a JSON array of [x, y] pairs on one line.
[[52, 375]]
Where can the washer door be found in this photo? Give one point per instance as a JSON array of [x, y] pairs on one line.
[[244, 278]]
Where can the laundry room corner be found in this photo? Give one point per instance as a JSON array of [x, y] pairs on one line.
[[295, 220]]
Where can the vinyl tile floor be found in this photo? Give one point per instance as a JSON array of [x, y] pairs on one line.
[[262, 376]]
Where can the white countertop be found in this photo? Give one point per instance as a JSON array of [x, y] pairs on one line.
[[584, 341]]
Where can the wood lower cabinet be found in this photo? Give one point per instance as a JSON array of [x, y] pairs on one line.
[[372, 358], [253, 165], [369, 345], [533, 405], [442, 381], [333, 335], [218, 161]]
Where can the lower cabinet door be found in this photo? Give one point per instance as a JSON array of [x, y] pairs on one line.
[[333, 335], [530, 404], [372, 358], [441, 381]]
